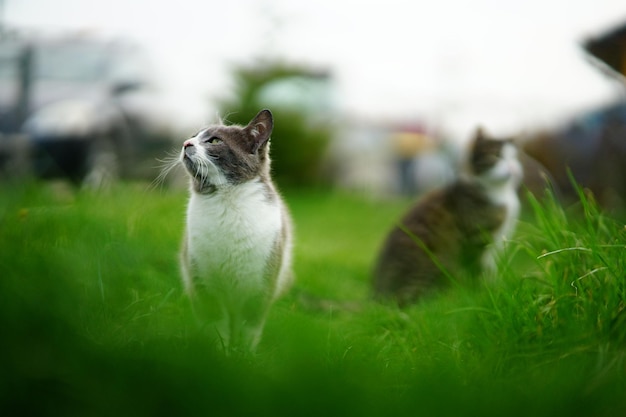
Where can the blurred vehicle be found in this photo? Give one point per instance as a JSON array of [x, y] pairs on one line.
[[79, 108]]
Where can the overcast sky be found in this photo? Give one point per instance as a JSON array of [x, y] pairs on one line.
[[507, 64]]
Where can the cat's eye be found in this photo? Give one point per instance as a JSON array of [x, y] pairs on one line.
[[213, 140]]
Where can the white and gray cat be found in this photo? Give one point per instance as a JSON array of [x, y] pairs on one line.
[[236, 252], [456, 231]]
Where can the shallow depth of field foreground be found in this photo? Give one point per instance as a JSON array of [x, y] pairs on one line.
[[94, 320]]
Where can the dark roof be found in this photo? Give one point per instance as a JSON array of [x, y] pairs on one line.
[[610, 48]]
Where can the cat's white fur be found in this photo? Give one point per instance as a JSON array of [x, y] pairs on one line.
[[501, 183], [233, 233]]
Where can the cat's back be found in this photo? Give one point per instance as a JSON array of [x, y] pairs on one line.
[[440, 216], [442, 231], [405, 267]]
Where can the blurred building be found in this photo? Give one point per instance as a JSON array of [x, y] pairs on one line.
[[610, 48], [593, 144], [388, 157]]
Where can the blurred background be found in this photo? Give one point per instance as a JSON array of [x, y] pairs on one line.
[[371, 96]]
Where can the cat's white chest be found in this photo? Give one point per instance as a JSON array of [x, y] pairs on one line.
[[508, 198], [231, 235]]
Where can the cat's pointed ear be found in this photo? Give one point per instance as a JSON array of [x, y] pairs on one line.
[[480, 133], [260, 129]]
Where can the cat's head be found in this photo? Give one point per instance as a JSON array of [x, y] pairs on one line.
[[493, 161], [221, 155]]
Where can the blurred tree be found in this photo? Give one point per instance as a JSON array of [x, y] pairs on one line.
[[299, 98]]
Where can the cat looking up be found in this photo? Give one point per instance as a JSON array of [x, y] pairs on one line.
[[456, 231], [236, 253]]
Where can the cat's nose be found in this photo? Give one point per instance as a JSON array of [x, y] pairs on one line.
[[187, 143]]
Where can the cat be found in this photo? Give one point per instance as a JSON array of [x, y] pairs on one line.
[[455, 231], [236, 251]]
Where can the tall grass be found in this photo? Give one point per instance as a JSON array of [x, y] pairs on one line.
[[94, 321]]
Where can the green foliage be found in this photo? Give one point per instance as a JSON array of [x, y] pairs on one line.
[[581, 264], [94, 321], [299, 140]]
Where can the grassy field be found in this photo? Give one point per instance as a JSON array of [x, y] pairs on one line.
[[94, 322]]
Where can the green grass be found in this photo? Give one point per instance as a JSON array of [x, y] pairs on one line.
[[94, 321]]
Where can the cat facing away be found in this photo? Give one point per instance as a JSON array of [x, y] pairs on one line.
[[454, 232], [236, 251]]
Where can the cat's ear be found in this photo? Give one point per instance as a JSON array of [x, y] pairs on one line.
[[259, 129], [480, 137], [480, 133]]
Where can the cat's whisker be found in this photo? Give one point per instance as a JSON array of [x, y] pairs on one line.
[[224, 119], [202, 169], [201, 172], [166, 166]]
